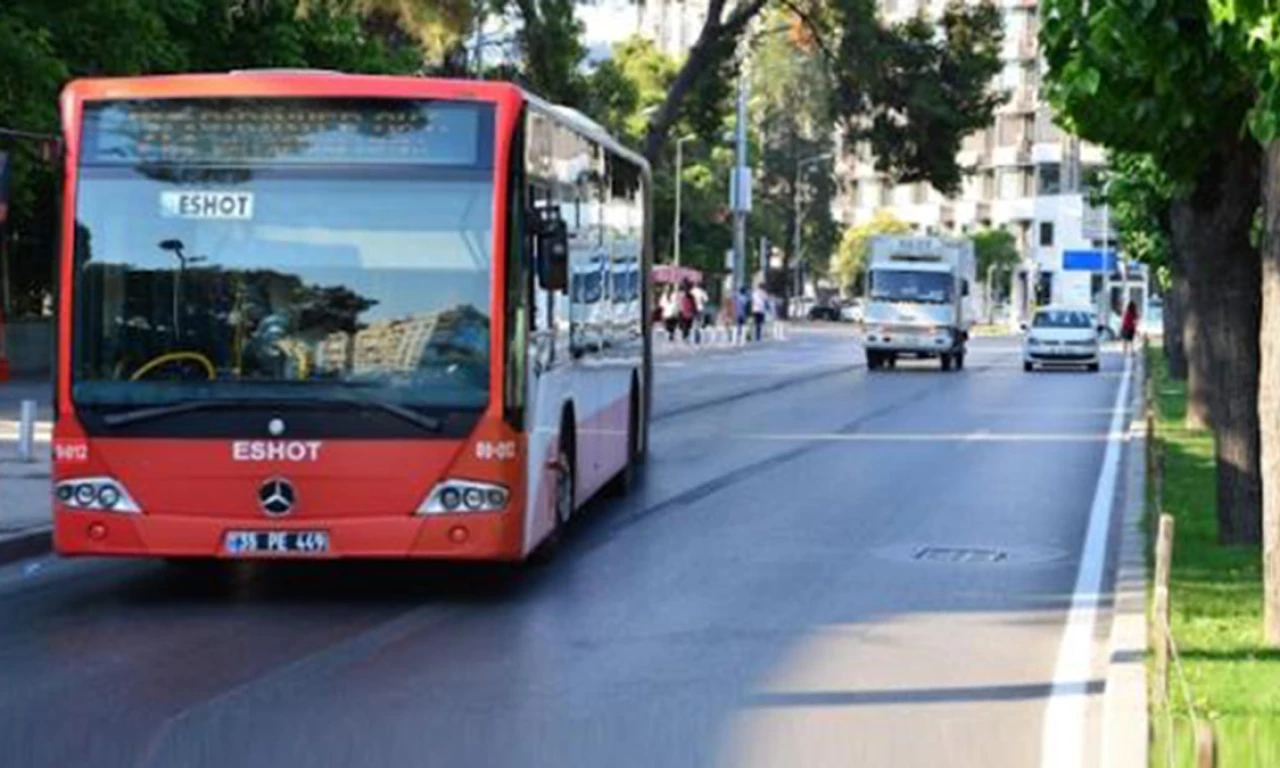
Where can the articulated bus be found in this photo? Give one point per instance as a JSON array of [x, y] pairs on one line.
[[314, 314]]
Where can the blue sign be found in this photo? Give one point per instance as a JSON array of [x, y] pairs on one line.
[[1089, 261]]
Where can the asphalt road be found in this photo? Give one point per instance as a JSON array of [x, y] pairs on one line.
[[822, 567]]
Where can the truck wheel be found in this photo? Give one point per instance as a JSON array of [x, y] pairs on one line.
[[946, 361], [873, 361]]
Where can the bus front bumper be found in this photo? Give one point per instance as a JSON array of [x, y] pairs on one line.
[[475, 536]]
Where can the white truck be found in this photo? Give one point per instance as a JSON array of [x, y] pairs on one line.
[[918, 299]]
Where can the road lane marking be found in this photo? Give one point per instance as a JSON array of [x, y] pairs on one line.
[[980, 436], [1062, 736]]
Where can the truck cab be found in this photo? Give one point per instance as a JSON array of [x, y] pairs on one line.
[[917, 300]]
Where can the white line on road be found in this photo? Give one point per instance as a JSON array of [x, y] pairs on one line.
[[980, 436], [1062, 737]]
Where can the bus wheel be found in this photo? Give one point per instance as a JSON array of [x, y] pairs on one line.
[[562, 504], [625, 480]]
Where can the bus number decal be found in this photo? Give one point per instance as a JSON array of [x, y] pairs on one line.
[[71, 453], [500, 450]]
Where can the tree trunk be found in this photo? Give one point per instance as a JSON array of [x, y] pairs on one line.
[[1269, 398], [1197, 416], [1211, 229], [1175, 300]]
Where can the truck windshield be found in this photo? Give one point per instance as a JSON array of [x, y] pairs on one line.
[[283, 248], [909, 286]]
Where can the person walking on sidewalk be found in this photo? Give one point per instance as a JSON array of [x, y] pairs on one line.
[[670, 312], [741, 310], [702, 316], [1129, 327], [688, 308], [759, 306]]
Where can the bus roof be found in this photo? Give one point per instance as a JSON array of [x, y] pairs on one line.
[[325, 83]]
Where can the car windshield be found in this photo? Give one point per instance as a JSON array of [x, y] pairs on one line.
[[911, 286], [1062, 318], [284, 250]]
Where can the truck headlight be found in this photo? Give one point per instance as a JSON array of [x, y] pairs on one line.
[[97, 494], [460, 496]]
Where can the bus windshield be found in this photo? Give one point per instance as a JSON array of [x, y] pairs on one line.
[[280, 248]]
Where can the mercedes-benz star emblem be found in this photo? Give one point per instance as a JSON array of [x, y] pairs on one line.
[[277, 497]]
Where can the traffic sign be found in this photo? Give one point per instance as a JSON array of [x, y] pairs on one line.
[[1090, 260]]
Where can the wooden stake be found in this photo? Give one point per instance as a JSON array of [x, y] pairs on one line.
[[1160, 619]]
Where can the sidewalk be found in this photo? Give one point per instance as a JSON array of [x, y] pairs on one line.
[[25, 502]]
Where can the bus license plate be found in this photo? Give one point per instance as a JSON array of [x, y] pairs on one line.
[[276, 542]]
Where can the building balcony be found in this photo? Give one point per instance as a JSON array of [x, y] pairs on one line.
[[1013, 154]]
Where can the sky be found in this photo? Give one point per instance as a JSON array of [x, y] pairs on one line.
[[607, 22]]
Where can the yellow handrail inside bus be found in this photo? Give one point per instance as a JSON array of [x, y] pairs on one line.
[[170, 357]]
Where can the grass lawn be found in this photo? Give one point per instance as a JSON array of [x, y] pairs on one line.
[[1216, 604]]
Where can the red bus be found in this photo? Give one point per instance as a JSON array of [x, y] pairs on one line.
[[324, 315]]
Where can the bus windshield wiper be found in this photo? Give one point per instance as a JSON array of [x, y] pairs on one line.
[[151, 412], [429, 423]]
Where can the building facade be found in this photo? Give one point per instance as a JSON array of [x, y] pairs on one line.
[[672, 25]]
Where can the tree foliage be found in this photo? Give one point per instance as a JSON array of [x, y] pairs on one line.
[[996, 248], [850, 261]]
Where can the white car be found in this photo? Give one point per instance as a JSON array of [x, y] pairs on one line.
[[1059, 336], [851, 312]]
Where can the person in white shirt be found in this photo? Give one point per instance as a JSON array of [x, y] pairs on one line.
[[701, 319], [759, 305], [670, 305]]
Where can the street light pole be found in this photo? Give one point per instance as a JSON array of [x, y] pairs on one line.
[[679, 183], [740, 189], [795, 189]]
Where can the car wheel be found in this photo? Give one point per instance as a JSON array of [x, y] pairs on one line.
[[1027, 367], [1094, 367]]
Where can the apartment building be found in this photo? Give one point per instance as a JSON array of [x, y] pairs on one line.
[[1025, 175]]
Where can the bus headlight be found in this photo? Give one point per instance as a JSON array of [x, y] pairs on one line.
[[453, 496], [99, 494]]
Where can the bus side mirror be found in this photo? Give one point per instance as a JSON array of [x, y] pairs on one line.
[[552, 236]]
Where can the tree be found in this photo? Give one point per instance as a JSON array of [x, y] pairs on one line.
[[793, 123], [850, 261], [1140, 198], [910, 92], [1250, 33], [996, 254], [1155, 77]]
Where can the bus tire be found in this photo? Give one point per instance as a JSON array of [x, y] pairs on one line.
[[626, 478]]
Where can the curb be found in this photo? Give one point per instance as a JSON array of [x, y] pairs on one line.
[[1125, 726], [30, 543]]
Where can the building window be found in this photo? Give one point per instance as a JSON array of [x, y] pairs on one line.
[[1050, 179], [1044, 289], [1046, 233]]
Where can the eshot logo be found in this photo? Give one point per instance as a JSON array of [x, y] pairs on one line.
[[206, 205]]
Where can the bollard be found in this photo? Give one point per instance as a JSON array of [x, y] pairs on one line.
[[27, 431], [1160, 609]]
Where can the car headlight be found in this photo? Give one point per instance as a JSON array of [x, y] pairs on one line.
[[462, 496], [1032, 341], [98, 494]]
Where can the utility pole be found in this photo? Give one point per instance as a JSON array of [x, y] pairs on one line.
[[675, 234], [740, 197], [795, 188]]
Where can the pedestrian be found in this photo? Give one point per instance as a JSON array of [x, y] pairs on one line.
[[1129, 326], [702, 318], [670, 312], [741, 310], [759, 305], [688, 308]]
